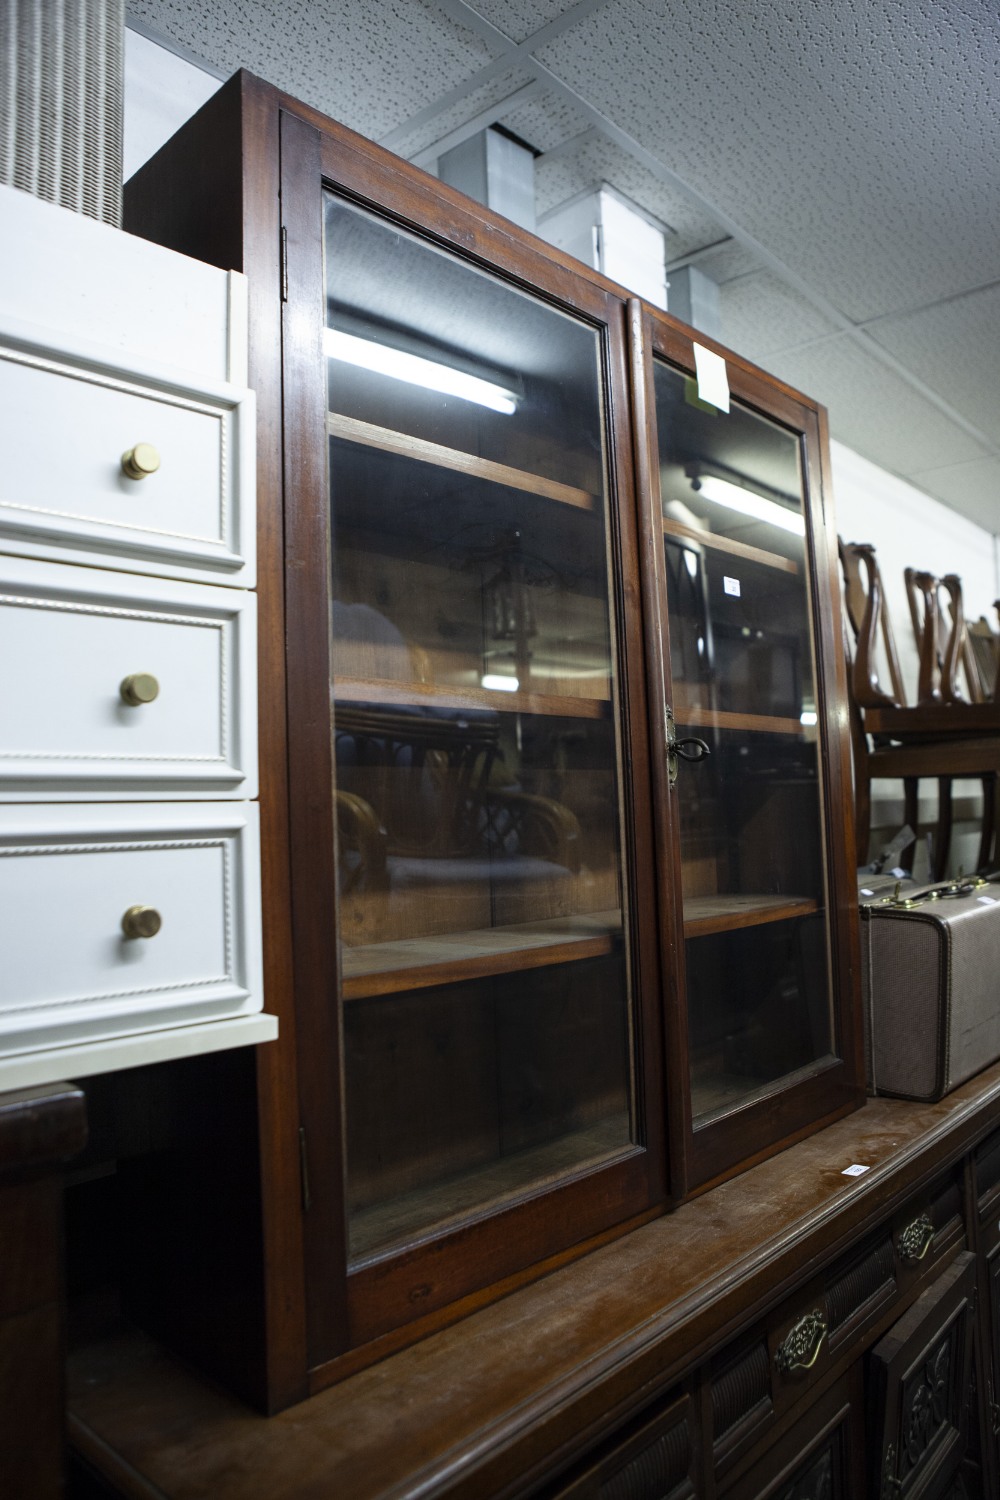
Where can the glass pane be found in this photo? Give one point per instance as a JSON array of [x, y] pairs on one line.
[[751, 816], [487, 1013]]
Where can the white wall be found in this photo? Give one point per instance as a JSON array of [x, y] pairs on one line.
[[910, 529], [162, 90]]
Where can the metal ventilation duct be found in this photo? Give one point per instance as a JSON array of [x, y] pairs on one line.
[[495, 170], [61, 102]]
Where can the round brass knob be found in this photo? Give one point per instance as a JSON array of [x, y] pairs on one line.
[[141, 922], [138, 688], [141, 461]]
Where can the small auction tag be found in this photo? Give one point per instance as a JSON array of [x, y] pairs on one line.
[[731, 586], [713, 382], [987, 900], [855, 1171]]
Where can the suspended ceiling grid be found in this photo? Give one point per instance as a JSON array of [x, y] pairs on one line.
[[833, 164]]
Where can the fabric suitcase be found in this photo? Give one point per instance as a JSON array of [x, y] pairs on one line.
[[930, 965]]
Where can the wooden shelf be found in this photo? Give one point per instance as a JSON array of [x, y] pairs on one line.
[[704, 915], [389, 441], [725, 544], [692, 716], [440, 1205], [433, 695], [416, 963]]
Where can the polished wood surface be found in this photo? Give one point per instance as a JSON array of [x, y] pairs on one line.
[[730, 545], [691, 716], [423, 451], [438, 695], [414, 963], [521, 1389], [708, 914]]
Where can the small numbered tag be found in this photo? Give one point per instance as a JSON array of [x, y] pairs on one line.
[[731, 586], [855, 1171]]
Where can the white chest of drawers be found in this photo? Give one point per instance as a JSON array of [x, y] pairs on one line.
[[129, 848]]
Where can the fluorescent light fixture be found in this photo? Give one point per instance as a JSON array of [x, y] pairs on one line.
[[500, 684], [735, 497], [416, 371]]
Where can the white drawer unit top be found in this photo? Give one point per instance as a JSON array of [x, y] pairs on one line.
[[107, 463], [113, 686], [147, 917], [85, 280]]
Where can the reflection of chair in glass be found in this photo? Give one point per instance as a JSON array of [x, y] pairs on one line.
[[429, 842], [935, 737]]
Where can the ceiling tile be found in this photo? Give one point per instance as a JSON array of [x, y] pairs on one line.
[[435, 129], [519, 19], [973, 489], [369, 66], [547, 122], [761, 315], [729, 260], [821, 130], [873, 410], [955, 349]]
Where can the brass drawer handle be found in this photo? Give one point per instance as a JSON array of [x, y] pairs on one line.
[[138, 688], [915, 1240], [141, 461], [141, 922], [800, 1348]]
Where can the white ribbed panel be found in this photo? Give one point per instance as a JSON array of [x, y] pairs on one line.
[[61, 102]]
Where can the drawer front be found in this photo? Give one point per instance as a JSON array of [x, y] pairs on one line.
[[64, 489], [929, 1229], [76, 967], [74, 641]]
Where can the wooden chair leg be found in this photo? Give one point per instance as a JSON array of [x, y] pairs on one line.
[[986, 856], [943, 843], [911, 788], [862, 811]]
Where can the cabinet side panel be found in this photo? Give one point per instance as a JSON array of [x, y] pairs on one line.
[[213, 192]]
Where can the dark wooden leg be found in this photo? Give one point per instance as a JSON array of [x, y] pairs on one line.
[[988, 821], [911, 788], [862, 811], [39, 1129], [943, 845]]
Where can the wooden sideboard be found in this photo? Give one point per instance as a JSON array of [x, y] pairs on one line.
[[40, 1130], [661, 1364]]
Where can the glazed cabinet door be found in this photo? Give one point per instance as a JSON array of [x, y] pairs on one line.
[[754, 786], [460, 547]]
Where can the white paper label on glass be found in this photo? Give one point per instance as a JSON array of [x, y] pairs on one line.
[[713, 382], [856, 1171], [731, 586]]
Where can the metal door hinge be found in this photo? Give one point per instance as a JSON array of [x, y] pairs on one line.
[[284, 264]]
